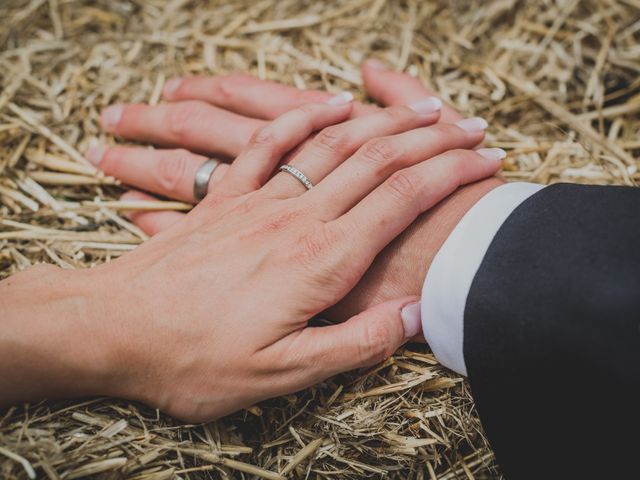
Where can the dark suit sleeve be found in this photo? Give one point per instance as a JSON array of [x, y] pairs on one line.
[[552, 335]]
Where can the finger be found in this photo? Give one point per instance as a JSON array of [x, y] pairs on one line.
[[247, 95], [362, 341], [194, 125], [170, 173], [335, 144], [268, 145], [393, 88], [150, 222], [377, 159], [408, 193]]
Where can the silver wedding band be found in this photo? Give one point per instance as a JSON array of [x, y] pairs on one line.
[[203, 176], [301, 177]]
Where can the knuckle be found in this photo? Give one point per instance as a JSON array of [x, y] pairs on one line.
[[314, 245], [450, 168], [443, 135], [457, 160], [263, 137], [396, 114], [403, 187], [279, 221], [181, 116], [335, 139], [308, 108], [377, 345], [213, 199], [459, 164], [305, 124], [227, 86], [308, 96], [381, 152], [171, 168], [460, 159], [443, 129], [460, 155]]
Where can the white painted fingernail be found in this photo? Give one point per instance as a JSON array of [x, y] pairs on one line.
[[475, 124], [427, 105], [411, 319], [495, 154], [111, 116], [340, 99], [171, 86], [95, 154]]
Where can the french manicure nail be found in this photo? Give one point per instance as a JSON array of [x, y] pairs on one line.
[[95, 154], [340, 99], [171, 86], [475, 124], [411, 319], [495, 154], [427, 105], [376, 64], [111, 116]]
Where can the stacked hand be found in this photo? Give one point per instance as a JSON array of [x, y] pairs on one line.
[[218, 115], [211, 314]]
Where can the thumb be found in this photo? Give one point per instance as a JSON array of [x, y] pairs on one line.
[[393, 88], [364, 340]]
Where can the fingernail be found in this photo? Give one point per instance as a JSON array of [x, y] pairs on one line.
[[130, 195], [111, 116], [376, 64], [495, 154], [95, 154], [475, 124], [411, 319], [171, 86], [340, 99], [427, 105]]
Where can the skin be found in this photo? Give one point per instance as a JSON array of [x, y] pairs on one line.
[[235, 106], [215, 310]]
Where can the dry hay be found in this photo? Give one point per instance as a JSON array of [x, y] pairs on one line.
[[557, 80]]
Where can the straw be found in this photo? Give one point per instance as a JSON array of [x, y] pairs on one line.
[[558, 83]]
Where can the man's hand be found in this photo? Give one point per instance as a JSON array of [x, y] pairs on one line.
[[217, 115]]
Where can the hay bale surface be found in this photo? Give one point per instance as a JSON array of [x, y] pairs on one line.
[[557, 80]]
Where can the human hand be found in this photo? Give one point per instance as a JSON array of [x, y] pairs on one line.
[[218, 115], [214, 314]]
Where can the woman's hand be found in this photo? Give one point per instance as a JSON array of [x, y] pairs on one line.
[[211, 315]]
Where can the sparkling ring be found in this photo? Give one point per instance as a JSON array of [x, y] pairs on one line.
[[203, 175], [301, 177]]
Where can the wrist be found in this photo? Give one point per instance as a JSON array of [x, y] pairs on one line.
[[53, 343]]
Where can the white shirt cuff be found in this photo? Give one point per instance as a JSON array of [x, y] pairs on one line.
[[448, 281]]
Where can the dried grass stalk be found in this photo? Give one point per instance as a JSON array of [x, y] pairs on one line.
[[557, 81]]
